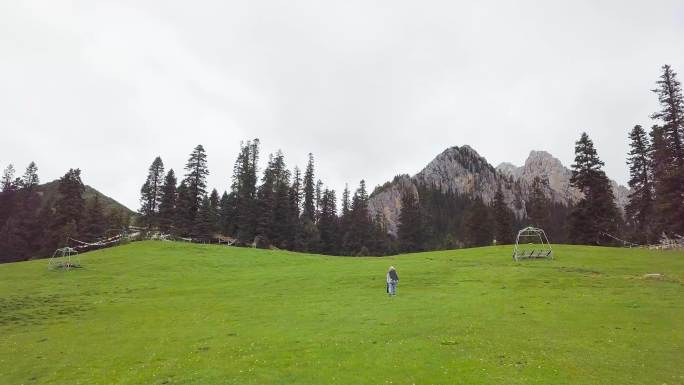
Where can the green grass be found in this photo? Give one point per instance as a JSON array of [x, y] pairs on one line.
[[172, 313]]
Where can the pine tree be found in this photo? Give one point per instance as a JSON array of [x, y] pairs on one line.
[[116, 219], [503, 219], [596, 214], [328, 222], [30, 178], [309, 237], [226, 213], [69, 209], [196, 179], [478, 229], [245, 191], [283, 215], [538, 206], [95, 222], [345, 221], [12, 244], [319, 195], [203, 228], [410, 229], [663, 202], [670, 178], [167, 203], [150, 193], [214, 202], [7, 182], [18, 205], [296, 188], [70, 204], [309, 192], [27, 212], [266, 198], [8, 190], [639, 210], [183, 222], [293, 234], [345, 201], [361, 226]]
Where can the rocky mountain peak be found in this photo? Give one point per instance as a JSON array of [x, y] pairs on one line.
[[457, 169], [461, 170], [552, 173]]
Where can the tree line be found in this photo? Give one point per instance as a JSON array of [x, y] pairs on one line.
[[31, 226], [294, 210], [656, 167], [286, 209]]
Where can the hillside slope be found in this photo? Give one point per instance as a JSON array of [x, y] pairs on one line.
[[49, 192], [175, 313]]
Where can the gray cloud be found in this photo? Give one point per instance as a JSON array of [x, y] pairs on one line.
[[372, 88]]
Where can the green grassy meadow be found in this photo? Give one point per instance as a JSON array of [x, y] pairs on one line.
[[171, 313]]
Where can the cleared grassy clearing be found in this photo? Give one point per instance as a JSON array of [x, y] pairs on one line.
[[173, 313]]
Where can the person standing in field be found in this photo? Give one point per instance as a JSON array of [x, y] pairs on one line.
[[392, 280]]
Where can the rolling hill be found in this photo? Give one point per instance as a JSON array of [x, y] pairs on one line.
[[49, 192], [174, 313]]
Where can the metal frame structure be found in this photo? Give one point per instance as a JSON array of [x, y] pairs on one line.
[[542, 249], [61, 258]]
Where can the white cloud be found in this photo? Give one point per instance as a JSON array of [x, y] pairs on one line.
[[372, 88]]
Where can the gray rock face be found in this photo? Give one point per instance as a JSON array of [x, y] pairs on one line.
[[550, 170], [543, 165], [462, 170], [621, 195], [388, 202]]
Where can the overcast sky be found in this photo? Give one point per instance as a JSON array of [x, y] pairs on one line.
[[372, 88]]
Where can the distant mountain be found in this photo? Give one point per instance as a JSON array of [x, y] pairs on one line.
[[50, 191], [461, 170], [543, 165]]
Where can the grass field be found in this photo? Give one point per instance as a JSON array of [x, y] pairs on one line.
[[173, 313]]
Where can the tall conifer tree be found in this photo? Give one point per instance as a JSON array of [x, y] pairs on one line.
[[596, 214], [670, 178], [167, 203], [29, 206], [196, 179], [360, 224], [639, 209], [95, 222], [245, 191], [226, 214], [214, 203], [477, 225], [8, 190], [184, 221], [319, 196], [503, 219], [309, 192], [328, 222], [151, 192], [410, 227], [69, 209], [203, 227]]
